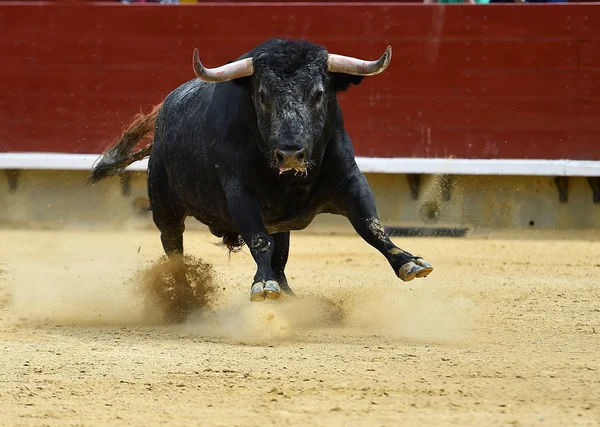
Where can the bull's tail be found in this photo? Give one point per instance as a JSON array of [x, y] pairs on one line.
[[117, 157]]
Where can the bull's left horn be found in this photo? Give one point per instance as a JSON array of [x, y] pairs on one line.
[[358, 67], [232, 71]]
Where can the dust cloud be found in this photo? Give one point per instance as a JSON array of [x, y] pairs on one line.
[[165, 297], [393, 314], [81, 295], [94, 294], [88, 295]]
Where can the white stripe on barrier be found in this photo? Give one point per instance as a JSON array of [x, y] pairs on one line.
[[67, 161]]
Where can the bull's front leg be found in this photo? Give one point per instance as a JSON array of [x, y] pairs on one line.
[[246, 214], [280, 257], [359, 207]]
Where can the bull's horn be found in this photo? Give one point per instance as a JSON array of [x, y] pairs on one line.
[[358, 67], [231, 71]]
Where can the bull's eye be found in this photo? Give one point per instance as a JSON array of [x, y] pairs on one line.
[[318, 96]]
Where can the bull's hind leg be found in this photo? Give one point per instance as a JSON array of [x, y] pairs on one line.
[[171, 226], [359, 207], [169, 218], [279, 260], [171, 237]]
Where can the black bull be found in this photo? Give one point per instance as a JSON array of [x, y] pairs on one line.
[[254, 149]]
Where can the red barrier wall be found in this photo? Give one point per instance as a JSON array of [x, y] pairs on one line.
[[466, 81]]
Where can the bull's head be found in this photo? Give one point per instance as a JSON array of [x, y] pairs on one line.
[[293, 89]]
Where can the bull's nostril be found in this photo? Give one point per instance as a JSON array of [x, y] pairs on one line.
[[290, 158]]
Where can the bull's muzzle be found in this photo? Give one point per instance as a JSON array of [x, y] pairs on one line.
[[291, 159]]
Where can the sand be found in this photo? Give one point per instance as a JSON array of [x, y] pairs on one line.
[[504, 331]]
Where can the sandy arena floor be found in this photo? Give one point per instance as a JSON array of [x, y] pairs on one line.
[[502, 332]]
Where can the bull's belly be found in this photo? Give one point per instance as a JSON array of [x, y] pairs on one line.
[[211, 210], [224, 225], [291, 224]]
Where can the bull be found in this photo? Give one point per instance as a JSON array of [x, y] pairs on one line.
[[254, 149]]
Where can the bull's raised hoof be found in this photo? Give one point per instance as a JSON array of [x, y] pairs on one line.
[[409, 271], [257, 292], [427, 268], [272, 289]]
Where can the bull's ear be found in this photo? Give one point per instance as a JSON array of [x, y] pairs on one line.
[[341, 82]]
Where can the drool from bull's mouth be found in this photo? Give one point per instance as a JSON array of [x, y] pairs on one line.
[[224, 133], [301, 172]]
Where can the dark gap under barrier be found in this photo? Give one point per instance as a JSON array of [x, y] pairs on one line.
[[427, 231]]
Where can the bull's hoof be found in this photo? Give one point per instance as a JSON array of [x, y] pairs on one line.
[[409, 271], [427, 268], [272, 289], [257, 292]]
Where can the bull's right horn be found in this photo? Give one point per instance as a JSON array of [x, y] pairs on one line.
[[225, 73], [358, 67]]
